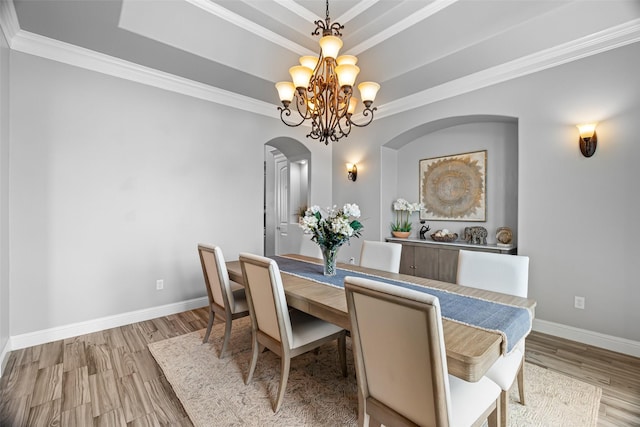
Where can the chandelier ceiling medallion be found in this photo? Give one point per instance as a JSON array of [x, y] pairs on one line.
[[323, 87]]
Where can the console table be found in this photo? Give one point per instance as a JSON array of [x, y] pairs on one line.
[[438, 260]]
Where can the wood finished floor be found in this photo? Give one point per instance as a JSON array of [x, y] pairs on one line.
[[109, 378]]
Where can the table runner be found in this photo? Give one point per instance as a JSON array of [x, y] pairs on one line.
[[513, 323]]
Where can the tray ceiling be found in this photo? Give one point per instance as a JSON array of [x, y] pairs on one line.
[[437, 48]]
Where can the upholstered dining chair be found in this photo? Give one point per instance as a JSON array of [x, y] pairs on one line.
[[226, 298], [508, 274], [381, 255], [401, 363], [287, 333]]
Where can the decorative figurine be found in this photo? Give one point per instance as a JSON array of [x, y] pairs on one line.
[[423, 230], [475, 235], [504, 236]]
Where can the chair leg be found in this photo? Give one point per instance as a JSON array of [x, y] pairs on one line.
[[227, 336], [212, 315], [504, 412], [342, 352], [521, 382], [284, 377], [495, 416], [254, 359]]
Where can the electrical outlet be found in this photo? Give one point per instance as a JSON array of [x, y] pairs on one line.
[[579, 303], [159, 284], [352, 260]]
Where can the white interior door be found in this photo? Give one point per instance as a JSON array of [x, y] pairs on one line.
[[282, 202]]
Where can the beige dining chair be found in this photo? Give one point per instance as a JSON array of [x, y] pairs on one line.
[[401, 363], [287, 333], [381, 255], [226, 298], [508, 274]]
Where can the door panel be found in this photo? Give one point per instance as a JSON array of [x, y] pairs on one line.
[[282, 203]]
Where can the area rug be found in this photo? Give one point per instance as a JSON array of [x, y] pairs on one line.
[[213, 392]]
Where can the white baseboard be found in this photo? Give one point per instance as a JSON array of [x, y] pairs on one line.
[[596, 339], [62, 332]]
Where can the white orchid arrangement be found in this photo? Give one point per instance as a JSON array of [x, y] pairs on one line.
[[335, 228], [404, 209]]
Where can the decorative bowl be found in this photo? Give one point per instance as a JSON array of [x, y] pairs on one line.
[[444, 237]]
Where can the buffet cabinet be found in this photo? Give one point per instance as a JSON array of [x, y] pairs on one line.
[[438, 260]]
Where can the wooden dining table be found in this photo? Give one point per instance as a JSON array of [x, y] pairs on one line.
[[470, 350]]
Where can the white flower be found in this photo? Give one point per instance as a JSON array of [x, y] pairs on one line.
[[312, 210], [308, 223], [351, 209], [415, 207]]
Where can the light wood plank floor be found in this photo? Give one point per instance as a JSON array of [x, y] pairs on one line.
[[109, 378]]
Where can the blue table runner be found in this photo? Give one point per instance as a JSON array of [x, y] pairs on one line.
[[513, 323]]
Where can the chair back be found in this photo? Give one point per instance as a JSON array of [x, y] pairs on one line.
[[309, 248], [381, 255], [504, 273], [216, 276], [399, 352], [265, 294]]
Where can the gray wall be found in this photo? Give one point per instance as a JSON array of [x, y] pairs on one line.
[[114, 183], [577, 217], [4, 192]]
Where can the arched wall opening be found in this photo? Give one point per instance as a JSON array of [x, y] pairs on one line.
[[497, 135], [287, 180]]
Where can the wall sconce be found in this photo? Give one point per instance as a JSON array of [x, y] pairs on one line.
[[352, 171], [588, 139]]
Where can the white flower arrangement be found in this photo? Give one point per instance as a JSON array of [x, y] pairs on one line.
[[404, 209], [335, 228]]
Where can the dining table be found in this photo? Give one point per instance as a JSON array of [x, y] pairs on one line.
[[470, 350]]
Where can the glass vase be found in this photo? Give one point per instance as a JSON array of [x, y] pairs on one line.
[[330, 256]]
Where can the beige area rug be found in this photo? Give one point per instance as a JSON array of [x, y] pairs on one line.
[[213, 392]]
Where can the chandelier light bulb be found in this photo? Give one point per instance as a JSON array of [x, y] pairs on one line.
[[346, 59], [368, 91], [347, 74], [330, 46], [285, 91], [309, 61], [353, 102], [300, 76]]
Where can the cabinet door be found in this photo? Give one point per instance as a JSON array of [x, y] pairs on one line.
[[406, 260], [426, 262], [447, 265]]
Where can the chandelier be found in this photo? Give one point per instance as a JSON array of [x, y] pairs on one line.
[[323, 87]]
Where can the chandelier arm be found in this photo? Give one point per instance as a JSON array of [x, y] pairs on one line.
[[286, 112], [347, 124], [366, 112]]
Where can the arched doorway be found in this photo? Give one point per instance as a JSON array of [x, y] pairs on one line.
[[287, 174]]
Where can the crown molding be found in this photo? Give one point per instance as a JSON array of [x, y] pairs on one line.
[[611, 38], [56, 50], [427, 11], [245, 24], [8, 20]]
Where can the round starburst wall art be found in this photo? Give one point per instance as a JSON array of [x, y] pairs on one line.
[[453, 187]]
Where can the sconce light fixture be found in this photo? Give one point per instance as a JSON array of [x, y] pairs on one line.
[[588, 139], [352, 171]]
